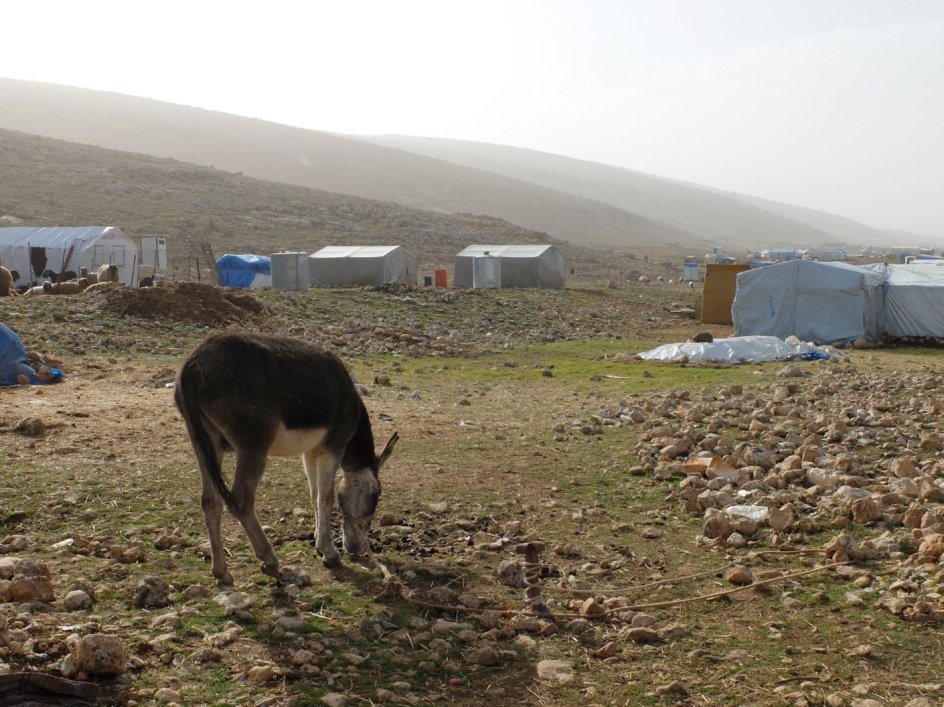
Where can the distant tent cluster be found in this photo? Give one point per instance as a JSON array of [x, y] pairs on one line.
[[33, 254], [826, 302], [357, 266]]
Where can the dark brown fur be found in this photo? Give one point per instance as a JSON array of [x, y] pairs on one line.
[[259, 395]]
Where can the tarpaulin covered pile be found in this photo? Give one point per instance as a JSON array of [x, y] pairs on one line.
[[738, 349]]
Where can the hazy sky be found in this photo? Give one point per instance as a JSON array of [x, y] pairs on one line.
[[832, 104]]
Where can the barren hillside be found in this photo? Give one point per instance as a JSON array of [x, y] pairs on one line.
[[316, 159], [725, 217], [52, 182]]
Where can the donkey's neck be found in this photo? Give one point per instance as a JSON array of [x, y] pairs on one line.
[[359, 453]]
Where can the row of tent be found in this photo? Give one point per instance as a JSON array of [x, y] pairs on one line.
[[355, 266], [828, 302], [36, 254]]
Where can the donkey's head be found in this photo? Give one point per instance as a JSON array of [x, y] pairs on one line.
[[358, 494]]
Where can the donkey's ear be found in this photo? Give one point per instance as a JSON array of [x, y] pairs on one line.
[[388, 450]]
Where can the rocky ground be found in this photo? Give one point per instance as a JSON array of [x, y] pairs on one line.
[[561, 525]]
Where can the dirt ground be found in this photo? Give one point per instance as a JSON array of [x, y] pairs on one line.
[[501, 445]]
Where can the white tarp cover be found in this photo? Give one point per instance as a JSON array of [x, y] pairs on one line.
[[521, 265], [737, 349], [914, 300], [31, 250], [819, 302], [354, 266]]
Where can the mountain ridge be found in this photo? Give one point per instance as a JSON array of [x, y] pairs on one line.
[[316, 159], [729, 218]]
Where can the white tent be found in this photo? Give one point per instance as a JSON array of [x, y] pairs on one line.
[[521, 265], [351, 266], [914, 300], [31, 251], [819, 302]]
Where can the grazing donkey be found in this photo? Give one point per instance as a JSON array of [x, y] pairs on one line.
[[259, 395]]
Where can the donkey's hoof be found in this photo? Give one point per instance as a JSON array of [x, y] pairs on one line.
[[271, 570], [331, 560]]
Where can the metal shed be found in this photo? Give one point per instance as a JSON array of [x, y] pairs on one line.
[[31, 251], [353, 266], [521, 265]]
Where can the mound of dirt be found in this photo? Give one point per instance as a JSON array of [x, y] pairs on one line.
[[183, 302]]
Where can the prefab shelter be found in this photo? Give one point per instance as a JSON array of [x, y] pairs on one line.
[[914, 300], [521, 265], [819, 302], [354, 266], [245, 270], [31, 251]]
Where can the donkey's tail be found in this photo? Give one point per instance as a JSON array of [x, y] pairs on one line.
[[207, 457]]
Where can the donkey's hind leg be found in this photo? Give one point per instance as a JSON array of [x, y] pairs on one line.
[[249, 469], [321, 466], [212, 506]]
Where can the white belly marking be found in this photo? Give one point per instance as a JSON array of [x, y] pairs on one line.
[[293, 443]]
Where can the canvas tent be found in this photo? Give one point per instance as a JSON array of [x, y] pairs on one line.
[[914, 300], [521, 265], [819, 302], [31, 251], [354, 266], [245, 270]]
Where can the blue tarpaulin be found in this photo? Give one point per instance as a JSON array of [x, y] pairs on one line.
[[13, 359], [241, 270]]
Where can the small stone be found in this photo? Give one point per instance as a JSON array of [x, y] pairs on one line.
[[260, 674], [298, 576], [865, 510], [559, 672], [739, 575], [591, 608], [196, 591], [100, 654], [511, 573], [485, 655], [736, 654], [166, 694], [334, 699], [151, 593], [860, 651], [932, 547], [30, 427], [673, 632], [77, 600], [673, 688], [233, 602], [905, 468], [642, 635]]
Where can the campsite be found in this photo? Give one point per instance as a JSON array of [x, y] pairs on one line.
[[561, 523], [525, 420]]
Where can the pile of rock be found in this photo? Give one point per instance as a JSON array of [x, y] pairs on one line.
[[769, 467]]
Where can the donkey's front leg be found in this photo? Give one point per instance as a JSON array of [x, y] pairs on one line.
[[321, 466]]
